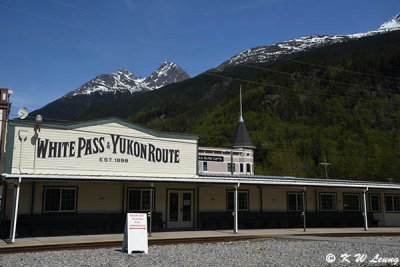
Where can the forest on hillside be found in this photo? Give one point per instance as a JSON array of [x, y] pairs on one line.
[[296, 113]]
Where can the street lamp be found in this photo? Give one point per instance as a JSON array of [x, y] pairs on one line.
[[38, 123]]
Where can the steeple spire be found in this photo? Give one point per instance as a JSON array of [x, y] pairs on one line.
[[241, 112], [241, 138]]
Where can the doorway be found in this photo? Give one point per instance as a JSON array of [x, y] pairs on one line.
[[180, 208]]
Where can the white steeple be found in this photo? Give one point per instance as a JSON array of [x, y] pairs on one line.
[[241, 114]]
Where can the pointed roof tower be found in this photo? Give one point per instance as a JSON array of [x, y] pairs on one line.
[[241, 138]]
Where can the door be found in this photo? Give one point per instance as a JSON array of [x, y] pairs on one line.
[[180, 209]]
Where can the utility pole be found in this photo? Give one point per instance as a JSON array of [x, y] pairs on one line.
[[325, 164], [398, 134]]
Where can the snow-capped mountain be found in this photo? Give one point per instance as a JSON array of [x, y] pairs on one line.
[[394, 23], [269, 53], [123, 81], [167, 73]]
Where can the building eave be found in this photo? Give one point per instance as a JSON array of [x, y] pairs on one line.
[[213, 179]]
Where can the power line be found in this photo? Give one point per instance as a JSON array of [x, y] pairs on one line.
[[207, 136], [101, 32], [76, 45], [205, 73], [144, 25], [293, 89], [213, 42], [340, 69], [176, 50]]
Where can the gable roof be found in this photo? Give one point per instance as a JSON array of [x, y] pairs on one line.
[[75, 125]]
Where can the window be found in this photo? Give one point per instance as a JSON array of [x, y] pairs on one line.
[[204, 165], [248, 169], [243, 200], [139, 199], [295, 201], [241, 167], [229, 167], [374, 203], [59, 199], [327, 202], [392, 203], [351, 202]]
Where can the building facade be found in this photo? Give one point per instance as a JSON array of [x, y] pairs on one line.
[[84, 178]]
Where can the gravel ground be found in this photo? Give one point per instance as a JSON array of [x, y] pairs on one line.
[[265, 252]]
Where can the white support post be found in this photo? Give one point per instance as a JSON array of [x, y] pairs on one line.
[[365, 210], [13, 224], [235, 204]]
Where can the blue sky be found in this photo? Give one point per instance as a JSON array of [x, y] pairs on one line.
[[53, 48]]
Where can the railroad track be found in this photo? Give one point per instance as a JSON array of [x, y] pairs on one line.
[[110, 244], [152, 242]]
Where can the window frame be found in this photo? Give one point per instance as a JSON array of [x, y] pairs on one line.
[[229, 167], [205, 164], [320, 202], [239, 192], [359, 201], [128, 189], [45, 188], [248, 168], [391, 195], [296, 193], [379, 202]]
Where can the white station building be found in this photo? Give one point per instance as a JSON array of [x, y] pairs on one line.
[[84, 178]]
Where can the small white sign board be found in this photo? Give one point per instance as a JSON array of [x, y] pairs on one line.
[[135, 236]]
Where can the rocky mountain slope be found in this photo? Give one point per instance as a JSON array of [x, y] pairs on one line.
[[124, 81], [120, 85], [269, 53], [339, 101]]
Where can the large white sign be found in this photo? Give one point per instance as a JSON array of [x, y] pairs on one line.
[[108, 149], [135, 236]]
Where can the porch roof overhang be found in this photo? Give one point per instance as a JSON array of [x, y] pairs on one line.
[[213, 179]]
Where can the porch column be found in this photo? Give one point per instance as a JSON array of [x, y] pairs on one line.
[[151, 208], [304, 209], [13, 222], [365, 210], [235, 210]]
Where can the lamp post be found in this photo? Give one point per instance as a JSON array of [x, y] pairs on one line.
[[36, 127], [365, 210], [235, 210], [38, 123]]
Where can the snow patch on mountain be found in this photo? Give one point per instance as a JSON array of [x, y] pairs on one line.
[[394, 23], [167, 73], [126, 82], [269, 53]]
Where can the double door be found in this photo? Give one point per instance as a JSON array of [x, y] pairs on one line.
[[180, 209]]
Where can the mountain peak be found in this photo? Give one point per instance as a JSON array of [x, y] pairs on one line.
[[124, 81], [270, 53], [122, 70], [394, 23], [123, 73], [167, 73]]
